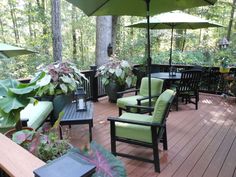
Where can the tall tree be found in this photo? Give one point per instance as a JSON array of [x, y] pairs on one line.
[[14, 20], [74, 38], [231, 20], [114, 32], [103, 38], [56, 30]]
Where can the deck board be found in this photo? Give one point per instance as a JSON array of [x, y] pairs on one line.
[[201, 142]]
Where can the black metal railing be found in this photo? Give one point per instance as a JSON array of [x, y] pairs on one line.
[[211, 81]]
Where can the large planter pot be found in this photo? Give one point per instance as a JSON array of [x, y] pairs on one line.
[[59, 102], [111, 89]]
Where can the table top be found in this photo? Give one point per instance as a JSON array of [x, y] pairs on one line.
[[166, 76], [15, 160], [71, 114]]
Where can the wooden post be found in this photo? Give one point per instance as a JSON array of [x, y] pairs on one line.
[[94, 84]]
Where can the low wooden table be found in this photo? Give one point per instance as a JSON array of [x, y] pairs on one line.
[[71, 117], [15, 160]]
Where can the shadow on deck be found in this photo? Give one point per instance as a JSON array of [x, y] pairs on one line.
[[201, 142]]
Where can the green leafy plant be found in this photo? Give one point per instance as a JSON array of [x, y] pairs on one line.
[[15, 96], [106, 163], [117, 71], [45, 143], [61, 78]]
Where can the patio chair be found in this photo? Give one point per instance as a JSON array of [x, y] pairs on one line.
[[142, 129], [188, 87], [142, 97]]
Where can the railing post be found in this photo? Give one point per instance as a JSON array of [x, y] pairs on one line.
[[94, 83]]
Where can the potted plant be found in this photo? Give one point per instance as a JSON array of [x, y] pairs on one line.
[[15, 96], [60, 82], [224, 65], [44, 143], [116, 75]]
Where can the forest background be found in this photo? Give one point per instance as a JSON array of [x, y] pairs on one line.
[[27, 23]]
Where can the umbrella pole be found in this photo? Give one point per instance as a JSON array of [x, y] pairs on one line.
[[148, 52], [171, 48]]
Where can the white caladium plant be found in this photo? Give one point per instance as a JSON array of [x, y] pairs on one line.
[[119, 71], [62, 78]]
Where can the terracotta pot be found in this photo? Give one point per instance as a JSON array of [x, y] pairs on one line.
[[10, 132]]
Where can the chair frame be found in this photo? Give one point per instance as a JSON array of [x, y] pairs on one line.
[[186, 89], [157, 136]]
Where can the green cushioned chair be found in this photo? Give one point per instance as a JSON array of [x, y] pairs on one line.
[[142, 129], [142, 97], [31, 116]]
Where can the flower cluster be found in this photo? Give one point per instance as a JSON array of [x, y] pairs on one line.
[[117, 71]]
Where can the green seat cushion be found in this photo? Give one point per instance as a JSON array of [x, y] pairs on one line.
[[36, 113], [135, 132]]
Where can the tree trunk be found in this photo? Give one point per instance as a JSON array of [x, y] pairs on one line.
[[231, 20], [184, 40], [74, 38], [56, 30], [179, 39], [2, 31], [103, 38], [114, 32], [42, 12], [30, 19], [14, 21]]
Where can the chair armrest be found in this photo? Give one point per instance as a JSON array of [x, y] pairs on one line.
[[127, 91], [147, 97], [149, 109], [152, 124]]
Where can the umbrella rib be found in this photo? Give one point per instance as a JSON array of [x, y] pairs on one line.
[[99, 7]]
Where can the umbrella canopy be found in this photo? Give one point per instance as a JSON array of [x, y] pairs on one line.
[[11, 51], [137, 8], [175, 20]]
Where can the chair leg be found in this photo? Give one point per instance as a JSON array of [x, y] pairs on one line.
[[155, 141], [120, 111], [176, 102], [156, 158], [165, 145], [113, 140]]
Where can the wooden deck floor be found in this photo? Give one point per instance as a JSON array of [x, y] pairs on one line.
[[201, 142]]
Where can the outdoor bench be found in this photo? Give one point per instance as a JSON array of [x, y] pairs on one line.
[[32, 116]]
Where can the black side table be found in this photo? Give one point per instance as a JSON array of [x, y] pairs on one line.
[[71, 117]]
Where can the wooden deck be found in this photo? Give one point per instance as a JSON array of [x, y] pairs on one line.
[[201, 142]]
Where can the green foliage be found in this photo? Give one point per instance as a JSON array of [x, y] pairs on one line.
[[106, 163], [117, 71], [61, 78], [44, 143], [15, 96]]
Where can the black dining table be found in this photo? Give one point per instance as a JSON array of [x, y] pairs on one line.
[[167, 77]]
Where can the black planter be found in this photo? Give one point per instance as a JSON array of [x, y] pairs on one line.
[[111, 89], [59, 102]]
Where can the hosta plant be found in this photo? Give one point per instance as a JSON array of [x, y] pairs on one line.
[[61, 78]]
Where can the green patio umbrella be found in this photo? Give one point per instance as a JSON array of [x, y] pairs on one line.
[[175, 20], [11, 51], [137, 8]]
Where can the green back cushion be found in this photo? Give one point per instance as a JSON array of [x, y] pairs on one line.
[[161, 104], [156, 86]]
